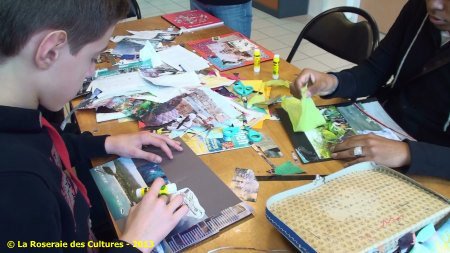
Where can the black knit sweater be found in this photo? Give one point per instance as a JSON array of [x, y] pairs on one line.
[[420, 105], [40, 202]]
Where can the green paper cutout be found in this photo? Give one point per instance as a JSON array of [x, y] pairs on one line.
[[287, 168], [304, 114], [256, 99]]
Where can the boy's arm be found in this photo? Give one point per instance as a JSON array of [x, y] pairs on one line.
[[85, 146]]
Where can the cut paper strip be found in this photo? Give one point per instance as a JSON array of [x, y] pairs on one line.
[[304, 114], [276, 83], [287, 168]]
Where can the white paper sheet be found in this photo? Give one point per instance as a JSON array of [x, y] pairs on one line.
[[183, 79], [377, 111], [183, 59], [132, 83], [141, 35], [101, 117]]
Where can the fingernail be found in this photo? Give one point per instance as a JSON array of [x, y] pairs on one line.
[[158, 160]]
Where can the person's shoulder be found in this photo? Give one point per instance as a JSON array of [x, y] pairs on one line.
[[416, 4], [22, 156]]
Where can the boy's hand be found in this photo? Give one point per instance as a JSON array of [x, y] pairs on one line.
[[130, 145], [153, 218], [318, 83], [373, 148]]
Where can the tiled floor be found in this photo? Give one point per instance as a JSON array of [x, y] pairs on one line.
[[275, 34]]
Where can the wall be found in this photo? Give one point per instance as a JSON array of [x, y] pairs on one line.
[[383, 11], [318, 6]]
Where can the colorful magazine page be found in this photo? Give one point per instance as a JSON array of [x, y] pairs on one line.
[[200, 187], [192, 20], [199, 107], [342, 121], [229, 51], [212, 141]]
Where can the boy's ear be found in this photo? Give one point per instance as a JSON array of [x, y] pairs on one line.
[[50, 48]]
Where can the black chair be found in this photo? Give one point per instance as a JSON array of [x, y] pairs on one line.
[[333, 32], [135, 11]]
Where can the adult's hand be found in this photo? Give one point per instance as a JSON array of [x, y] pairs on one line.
[[130, 145], [150, 221], [318, 83], [373, 148]]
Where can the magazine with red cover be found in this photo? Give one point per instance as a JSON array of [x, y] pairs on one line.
[[229, 51], [192, 20]]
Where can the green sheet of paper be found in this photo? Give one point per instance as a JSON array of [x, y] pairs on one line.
[[287, 168], [304, 114]]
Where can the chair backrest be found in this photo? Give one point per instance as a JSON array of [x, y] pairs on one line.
[[333, 32], [135, 11]]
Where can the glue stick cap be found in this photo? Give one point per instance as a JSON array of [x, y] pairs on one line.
[[169, 189]]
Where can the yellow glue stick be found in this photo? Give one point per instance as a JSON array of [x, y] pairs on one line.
[[276, 67], [165, 190], [257, 60]]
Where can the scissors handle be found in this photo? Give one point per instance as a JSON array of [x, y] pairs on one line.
[[242, 89], [229, 132], [253, 136]]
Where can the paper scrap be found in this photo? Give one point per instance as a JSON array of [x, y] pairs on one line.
[[147, 53], [287, 168], [132, 83], [245, 185], [269, 147], [213, 81], [262, 96]]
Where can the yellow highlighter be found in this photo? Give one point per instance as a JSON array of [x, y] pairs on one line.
[[165, 190]]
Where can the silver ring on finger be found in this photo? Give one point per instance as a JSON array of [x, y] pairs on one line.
[[357, 151]]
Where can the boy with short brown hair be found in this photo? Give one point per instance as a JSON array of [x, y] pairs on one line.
[[47, 48]]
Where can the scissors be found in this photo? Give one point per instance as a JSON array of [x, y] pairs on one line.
[[243, 91], [253, 136]]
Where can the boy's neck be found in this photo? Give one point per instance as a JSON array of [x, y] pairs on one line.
[[16, 86]]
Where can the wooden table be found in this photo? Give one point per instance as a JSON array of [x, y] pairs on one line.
[[256, 231]]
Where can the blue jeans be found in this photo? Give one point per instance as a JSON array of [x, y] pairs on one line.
[[238, 16]]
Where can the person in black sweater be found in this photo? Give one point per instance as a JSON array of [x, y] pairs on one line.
[[416, 52], [47, 48], [236, 14]]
